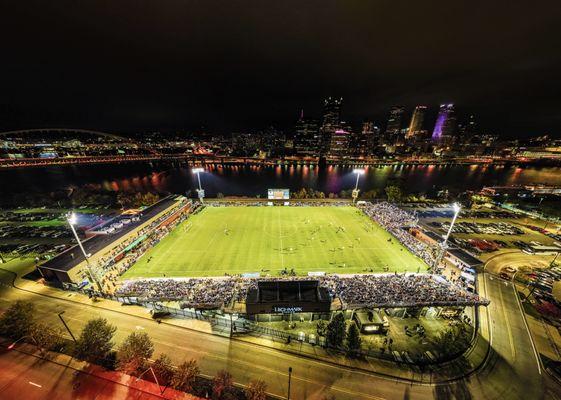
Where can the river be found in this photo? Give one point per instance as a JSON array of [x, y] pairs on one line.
[[254, 180]]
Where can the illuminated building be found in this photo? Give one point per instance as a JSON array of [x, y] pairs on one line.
[[393, 126], [307, 139], [445, 123], [330, 122], [339, 144], [416, 124]]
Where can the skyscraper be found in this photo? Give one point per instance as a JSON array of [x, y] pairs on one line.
[[416, 124], [330, 122], [393, 126], [445, 123], [307, 138], [370, 137], [339, 144]]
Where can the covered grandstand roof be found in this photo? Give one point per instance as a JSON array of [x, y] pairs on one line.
[[73, 256]]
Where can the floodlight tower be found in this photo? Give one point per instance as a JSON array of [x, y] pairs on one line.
[[444, 245], [358, 172], [200, 191], [71, 218]]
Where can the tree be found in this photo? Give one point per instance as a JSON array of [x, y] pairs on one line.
[[133, 353], [345, 194], [256, 390], [221, 384], [94, 343], [185, 375], [336, 331], [393, 193], [321, 327], [219, 195], [371, 194], [17, 321], [163, 369], [353, 339], [45, 337]]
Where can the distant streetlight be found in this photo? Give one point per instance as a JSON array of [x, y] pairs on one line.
[[456, 207], [200, 191], [72, 219], [358, 172]]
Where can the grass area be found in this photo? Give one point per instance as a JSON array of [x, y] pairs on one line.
[[19, 265], [47, 223], [235, 240]]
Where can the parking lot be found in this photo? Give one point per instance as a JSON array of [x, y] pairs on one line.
[[488, 231], [42, 232]]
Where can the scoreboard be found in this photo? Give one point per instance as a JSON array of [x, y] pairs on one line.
[[278, 194]]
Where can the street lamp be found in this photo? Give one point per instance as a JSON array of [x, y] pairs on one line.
[[11, 346], [456, 207], [66, 326], [200, 191], [72, 221], [289, 379], [358, 172]]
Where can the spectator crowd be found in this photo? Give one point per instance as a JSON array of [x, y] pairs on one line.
[[398, 222], [364, 290]]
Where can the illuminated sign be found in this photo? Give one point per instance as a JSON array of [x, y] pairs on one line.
[[278, 194], [287, 310]]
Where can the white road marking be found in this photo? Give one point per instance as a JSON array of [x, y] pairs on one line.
[[35, 384], [528, 329]]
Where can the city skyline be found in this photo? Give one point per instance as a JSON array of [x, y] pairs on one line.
[[134, 67]]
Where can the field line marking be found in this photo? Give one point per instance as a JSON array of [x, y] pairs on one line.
[[280, 237]]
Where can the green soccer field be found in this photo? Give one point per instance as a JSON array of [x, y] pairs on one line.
[[236, 240]]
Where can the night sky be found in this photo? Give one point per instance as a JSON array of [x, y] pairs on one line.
[[125, 66]]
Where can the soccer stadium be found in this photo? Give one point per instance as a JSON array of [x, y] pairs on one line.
[[275, 240], [261, 257]]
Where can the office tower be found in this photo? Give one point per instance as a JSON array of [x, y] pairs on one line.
[[393, 126], [306, 137], [416, 124], [339, 143], [373, 137], [361, 140], [330, 122], [445, 123]]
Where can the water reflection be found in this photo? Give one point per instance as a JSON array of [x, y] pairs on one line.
[[253, 180]]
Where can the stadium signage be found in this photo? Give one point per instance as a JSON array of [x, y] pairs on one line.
[[287, 310]]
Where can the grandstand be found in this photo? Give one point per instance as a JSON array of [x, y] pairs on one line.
[[69, 267]]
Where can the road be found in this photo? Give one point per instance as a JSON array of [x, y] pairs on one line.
[[30, 378], [511, 371]]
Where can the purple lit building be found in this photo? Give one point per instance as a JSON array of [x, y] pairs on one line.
[[445, 123]]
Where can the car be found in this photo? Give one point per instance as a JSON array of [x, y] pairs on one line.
[[509, 269]]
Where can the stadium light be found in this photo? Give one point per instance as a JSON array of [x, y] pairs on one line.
[[200, 191], [72, 219], [456, 207], [358, 172]]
